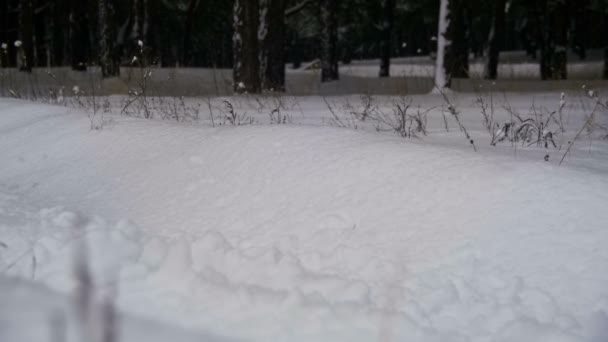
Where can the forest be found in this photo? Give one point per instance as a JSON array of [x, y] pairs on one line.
[[259, 38]]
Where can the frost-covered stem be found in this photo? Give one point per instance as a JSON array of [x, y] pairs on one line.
[[495, 40], [245, 46], [386, 28], [442, 79], [329, 40]]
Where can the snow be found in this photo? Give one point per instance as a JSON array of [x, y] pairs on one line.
[[49, 314], [306, 232]]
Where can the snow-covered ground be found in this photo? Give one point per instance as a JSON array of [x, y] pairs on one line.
[[308, 231]]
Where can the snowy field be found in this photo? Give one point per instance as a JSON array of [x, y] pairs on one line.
[[315, 219]]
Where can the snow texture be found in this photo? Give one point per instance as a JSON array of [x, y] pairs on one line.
[[301, 232]]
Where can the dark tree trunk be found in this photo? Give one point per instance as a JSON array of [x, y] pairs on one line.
[[605, 75], [245, 47], [152, 23], [457, 54], [4, 36], [59, 32], [606, 62], [496, 40], [329, 40], [41, 36], [386, 31], [108, 59], [79, 34], [560, 26], [553, 38], [26, 35], [187, 42], [139, 13], [272, 44]]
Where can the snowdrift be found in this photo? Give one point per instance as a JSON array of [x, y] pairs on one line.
[[295, 233]]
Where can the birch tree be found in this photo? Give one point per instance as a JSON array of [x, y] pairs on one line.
[[442, 78]]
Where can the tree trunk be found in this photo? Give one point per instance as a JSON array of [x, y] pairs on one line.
[[139, 13], [59, 32], [457, 56], [245, 47], [107, 39], [554, 25], [606, 62], [605, 75], [3, 30], [386, 31], [79, 32], [272, 44], [560, 27], [495, 40], [442, 78], [187, 42], [26, 35], [329, 40]]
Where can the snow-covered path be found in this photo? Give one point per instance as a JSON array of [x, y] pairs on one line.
[[296, 233]]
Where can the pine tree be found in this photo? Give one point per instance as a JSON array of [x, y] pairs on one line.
[[554, 19], [496, 39], [272, 44], [329, 40], [245, 47], [386, 31], [26, 35], [79, 34], [107, 39], [187, 41], [457, 57]]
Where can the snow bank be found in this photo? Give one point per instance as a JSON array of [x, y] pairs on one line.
[[305, 233]]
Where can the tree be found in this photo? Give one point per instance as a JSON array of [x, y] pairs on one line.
[[442, 78], [59, 32], [329, 40], [553, 21], [495, 40], [26, 35], [457, 55], [107, 39], [187, 42], [79, 34], [386, 31], [603, 6], [272, 44], [245, 47]]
